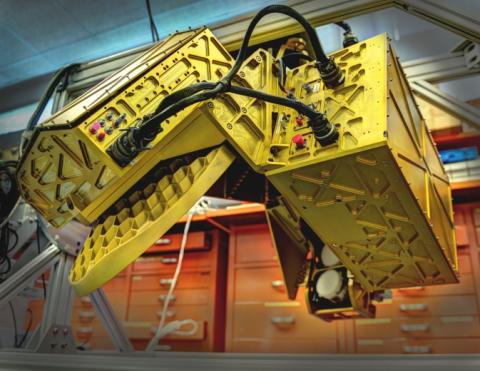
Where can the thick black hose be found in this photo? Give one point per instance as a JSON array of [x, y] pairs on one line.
[[320, 55], [344, 25], [143, 133], [52, 85], [242, 53], [136, 139], [300, 107], [182, 94]]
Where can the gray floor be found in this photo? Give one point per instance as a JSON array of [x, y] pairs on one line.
[[14, 360]]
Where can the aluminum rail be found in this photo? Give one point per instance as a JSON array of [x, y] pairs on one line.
[[234, 362]]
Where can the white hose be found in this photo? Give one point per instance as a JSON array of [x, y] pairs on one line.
[[174, 326]]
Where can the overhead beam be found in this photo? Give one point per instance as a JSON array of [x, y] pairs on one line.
[[464, 111], [454, 19], [274, 26]]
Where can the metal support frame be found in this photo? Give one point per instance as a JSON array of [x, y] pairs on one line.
[[26, 276], [464, 111], [112, 325], [54, 333], [423, 73], [442, 67]]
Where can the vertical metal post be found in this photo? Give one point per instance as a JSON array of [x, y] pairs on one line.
[[54, 333], [110, 322]]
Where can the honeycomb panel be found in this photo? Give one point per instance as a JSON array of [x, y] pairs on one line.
[[121, 237], [66, 172]]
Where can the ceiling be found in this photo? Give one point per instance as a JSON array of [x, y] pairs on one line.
[[38, 37]]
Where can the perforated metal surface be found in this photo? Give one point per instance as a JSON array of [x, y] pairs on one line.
[[122, 236]]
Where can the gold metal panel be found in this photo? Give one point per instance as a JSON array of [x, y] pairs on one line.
[[66, 172], [245, 121], [379, 197]]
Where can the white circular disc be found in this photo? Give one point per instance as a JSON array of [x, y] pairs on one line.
[[329, 284], [328, 257]]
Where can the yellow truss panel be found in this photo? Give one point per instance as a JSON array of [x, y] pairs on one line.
[[379, 197], [66, 171]]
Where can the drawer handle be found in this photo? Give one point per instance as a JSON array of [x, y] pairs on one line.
[[417, 349], [85, 330], [287, 320], [85, 314], [166, 281], [163, 241], [163, 297], [415, 327], [168, 260], [278, 284], [413, 307], [85, 300], [414, 288], [169, 314]]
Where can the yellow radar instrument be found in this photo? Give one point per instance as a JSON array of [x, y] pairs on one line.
[[357, 198]]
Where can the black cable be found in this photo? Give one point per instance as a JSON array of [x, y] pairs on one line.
[[15, 234], [14, 318], [153, 26], [298, 55], [344, 25], [61, 74], [242, 53], [38, 252], [320, 55], [300, 107], [29, 327], [348, 37], [127, 146], [52, 85]]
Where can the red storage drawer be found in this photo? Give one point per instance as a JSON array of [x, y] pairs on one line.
[[172, 242]]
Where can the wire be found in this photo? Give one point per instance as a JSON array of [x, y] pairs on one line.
[[14, 318], [60, 75], [344, 25], [300, 107], [136, 139], [163, 330], [29, 327], [153, 26], [38, 252], [282, 9]]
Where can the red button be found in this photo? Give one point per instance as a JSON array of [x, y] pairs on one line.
[[299, 141], [101, 135], [299, 120], [95, 127]]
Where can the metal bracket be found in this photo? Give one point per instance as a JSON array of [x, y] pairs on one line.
[[58, 339], [54, 333]]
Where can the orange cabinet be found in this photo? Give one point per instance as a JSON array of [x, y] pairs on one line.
[[260, 316]]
